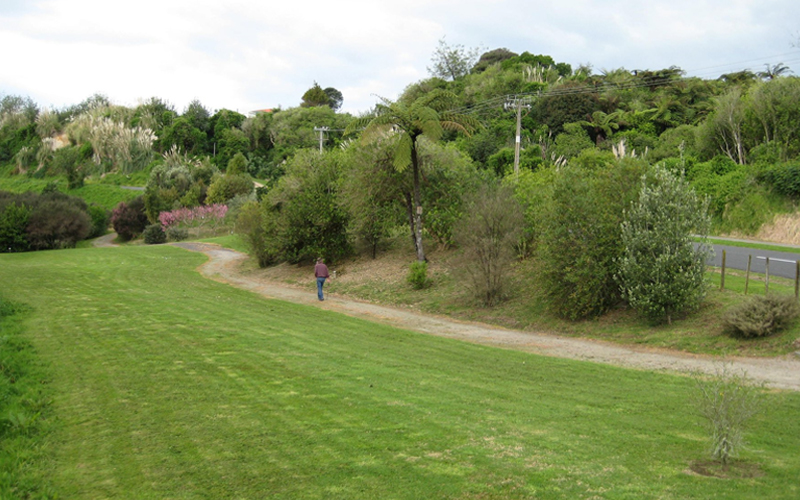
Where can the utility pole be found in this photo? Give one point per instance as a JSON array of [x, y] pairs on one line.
[[518, 103], [321, 131]]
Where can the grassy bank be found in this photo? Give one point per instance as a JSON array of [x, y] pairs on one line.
[[168, 385]]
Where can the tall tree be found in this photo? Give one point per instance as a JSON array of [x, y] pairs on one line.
[[335, 98], [315, 96], [429, 116], [451, 62]]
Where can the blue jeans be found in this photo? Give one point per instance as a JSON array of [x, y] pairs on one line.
[[320, 282]]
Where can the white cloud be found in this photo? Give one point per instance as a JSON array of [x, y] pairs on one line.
[[246, 55]]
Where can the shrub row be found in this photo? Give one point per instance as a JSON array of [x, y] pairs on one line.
[[33, 221]]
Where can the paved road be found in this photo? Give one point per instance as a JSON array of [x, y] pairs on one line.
[[780, 263]]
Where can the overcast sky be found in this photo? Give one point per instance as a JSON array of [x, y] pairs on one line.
[[246, 55]]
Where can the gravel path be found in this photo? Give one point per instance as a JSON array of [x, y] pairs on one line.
[[782, 372]]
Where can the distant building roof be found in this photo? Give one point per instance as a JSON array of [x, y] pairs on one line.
[[268, 110]]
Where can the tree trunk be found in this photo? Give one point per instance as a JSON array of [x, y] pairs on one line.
[[417, 202], [410, 212]]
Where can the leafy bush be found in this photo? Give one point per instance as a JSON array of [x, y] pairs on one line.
[[784, 179], [225, 187], [57, 223], [304, 211], [100, 220], [661, 272], [154, 234], [257, 229], [761, 316], [176, 233], [488, 234], [129, 219], [580, 237], [418, 275], [13, 221], [54, 220], [726, 401]]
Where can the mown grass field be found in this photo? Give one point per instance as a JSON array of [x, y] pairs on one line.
[[169, 385]]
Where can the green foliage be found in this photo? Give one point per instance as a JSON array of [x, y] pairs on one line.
[[430, 116], [727, 401], [572, 142], [185, 136], [50, 220], [13, 221], [570, 104], [783, 178], [315, 96], [451, 62], [761, 316], [129, 219], [371, 193], [293, 129], [308, 217], [70, 161], [230, 143], [237, 165], [418, 275], [450, 177], [257, 229], [177, 233], [487, 235], [661, 272], [154, 234], [225, 187], [580, 237], [492, 57], [101, 218], [756, 206]]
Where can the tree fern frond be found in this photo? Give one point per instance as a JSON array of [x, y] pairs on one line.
[[402, 152]]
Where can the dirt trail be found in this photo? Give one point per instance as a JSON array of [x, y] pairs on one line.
[[782, 372]]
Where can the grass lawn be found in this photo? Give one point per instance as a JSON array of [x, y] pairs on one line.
[[169, 385]]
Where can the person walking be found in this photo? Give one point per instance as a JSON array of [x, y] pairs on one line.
[[321, 273]]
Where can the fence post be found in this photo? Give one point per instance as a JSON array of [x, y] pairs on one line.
[[747, 276], [796, 279], [722, 279], [766, 282]]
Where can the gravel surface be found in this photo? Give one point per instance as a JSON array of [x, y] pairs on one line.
[[781, 372]]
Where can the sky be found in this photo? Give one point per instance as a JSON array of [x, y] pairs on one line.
[[249, 55]]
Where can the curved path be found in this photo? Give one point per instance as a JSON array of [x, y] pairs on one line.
[[782, 372]]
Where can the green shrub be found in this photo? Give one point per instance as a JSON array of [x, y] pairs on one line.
[[13, 221], [257, 229], [129, 219], [661, 271], [580, 237], [57, 221], [761, 316], [154, 234], [100, 220], [784, 179], [488, 234], [225, 187], [175, 233], [418, 275]]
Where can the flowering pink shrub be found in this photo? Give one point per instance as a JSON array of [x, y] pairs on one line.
[[193, 217]]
